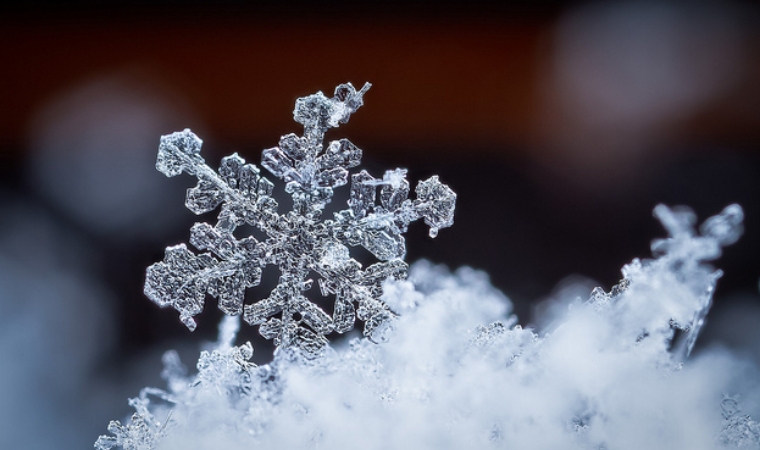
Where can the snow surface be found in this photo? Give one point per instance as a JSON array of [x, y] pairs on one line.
[[458, 372]]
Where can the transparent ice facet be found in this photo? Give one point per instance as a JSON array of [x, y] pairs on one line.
[[298, 242]]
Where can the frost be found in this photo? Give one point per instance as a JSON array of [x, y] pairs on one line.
[[299, 242], [739, 430], [144, 430]]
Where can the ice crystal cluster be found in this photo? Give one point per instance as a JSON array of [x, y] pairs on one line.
[[612, 370], [299, 242]]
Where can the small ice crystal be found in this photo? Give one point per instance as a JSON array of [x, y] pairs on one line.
[[298, 242], [739, 430], [144, 430], [137, 435], [673, 293]]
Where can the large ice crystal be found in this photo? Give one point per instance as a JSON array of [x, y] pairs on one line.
[[459, 372], [299, 242]]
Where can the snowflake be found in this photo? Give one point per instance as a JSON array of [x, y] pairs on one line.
[[298, 242]]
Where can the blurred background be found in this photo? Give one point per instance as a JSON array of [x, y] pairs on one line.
[[560, 126]]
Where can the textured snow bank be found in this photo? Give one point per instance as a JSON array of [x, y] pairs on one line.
[[610, 372]]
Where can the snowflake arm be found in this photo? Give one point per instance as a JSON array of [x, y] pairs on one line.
[[230, 266]]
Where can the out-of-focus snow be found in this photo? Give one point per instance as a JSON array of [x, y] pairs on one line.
[[55, 326], [93, 151]]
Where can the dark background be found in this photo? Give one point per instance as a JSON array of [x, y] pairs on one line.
[[559, 125]]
